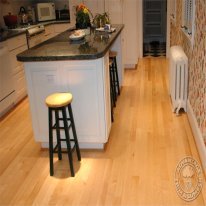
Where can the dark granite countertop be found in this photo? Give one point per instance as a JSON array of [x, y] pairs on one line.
[[10, 33], [4, 35], [93, 46]]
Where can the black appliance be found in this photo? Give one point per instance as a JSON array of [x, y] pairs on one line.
[[62, 14]]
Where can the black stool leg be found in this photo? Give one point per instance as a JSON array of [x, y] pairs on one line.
[[69, 151], [111, 97], [74, 132], [58, 134], [116, 74], [114, 80], [112, 113], [112, 87], [51, 143]]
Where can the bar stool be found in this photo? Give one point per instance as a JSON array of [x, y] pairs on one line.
[[112, 56], [56, 103], [112, 98]]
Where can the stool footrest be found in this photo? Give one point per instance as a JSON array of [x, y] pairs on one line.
[[64, 140], [63, 119], [55, 150], [55, 127]]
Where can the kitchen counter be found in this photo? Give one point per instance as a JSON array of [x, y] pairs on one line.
[[79, 67], [10, 33], [4, 35], [93, 46]]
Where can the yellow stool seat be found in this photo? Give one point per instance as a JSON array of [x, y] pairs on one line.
[[112, 54], [58, 100]]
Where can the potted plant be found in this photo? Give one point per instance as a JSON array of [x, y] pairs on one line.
[[83, 17], [101, 19]]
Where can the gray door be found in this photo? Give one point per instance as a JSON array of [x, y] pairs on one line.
[[154, 20]]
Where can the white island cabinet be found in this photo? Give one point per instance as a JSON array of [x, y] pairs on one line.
[[88, 81], [59, 65]]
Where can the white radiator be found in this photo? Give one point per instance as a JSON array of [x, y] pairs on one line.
[[178, 77]]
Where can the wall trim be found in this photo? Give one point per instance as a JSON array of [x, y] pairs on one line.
[[197, 135], [130, 66]]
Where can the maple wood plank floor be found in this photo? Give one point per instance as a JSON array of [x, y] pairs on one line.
[[136, 168]]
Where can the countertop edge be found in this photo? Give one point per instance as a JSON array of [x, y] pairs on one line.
[[72, 57]]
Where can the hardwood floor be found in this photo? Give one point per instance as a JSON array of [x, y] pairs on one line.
[[136, 168]]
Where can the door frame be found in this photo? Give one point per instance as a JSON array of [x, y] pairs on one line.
[[141, 28]]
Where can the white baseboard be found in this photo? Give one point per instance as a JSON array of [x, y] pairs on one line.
[[129, 66], [197, 134]]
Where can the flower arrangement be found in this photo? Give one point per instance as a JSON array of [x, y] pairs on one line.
[[82, 17]]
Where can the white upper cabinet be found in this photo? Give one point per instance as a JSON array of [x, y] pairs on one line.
[[115, 10], [95, 6], [72, 7], [113, 7], [131, 21]]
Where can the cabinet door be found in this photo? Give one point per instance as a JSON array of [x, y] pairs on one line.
[[131, 33], [49, 32], [18, 73], [16, 65], [16, 42], [115, 10], [72, 6], [107, 95], [35, 40], [20, 85], [95, 6], [85, 82], [42, 81]]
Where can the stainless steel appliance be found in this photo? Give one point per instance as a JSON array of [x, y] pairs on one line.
[[6, 80], [62, 14], [45, 11]]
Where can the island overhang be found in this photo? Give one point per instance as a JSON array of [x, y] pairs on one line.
[[92, 46]]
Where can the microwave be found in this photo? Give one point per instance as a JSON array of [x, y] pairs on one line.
[[45, 11]]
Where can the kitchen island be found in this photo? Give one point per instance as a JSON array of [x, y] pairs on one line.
[[82, 68]]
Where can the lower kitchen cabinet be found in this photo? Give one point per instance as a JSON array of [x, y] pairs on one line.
[[35, 40], [17, 45], [20, 85], [49, 32], [88, 81]]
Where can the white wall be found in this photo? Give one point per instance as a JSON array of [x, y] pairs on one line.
[[131, 32]]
